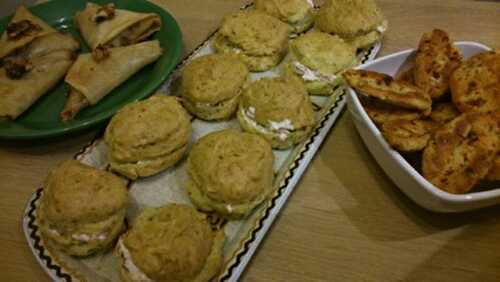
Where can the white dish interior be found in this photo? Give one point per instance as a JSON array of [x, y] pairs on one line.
[[395, 166]]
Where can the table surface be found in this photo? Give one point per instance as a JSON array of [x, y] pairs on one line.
[[346, 220]]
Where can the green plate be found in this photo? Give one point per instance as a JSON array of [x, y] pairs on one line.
[[41, 120]]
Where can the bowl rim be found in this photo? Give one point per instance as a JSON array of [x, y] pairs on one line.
[[396, 156]]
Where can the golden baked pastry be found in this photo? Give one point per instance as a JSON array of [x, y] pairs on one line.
[[260, 40], [34, 59], [443, 113], [231, 172], [170, 243], [318, 58], [146, 137], [461, 152], [494, 172], [109, 27], [407, 76], [212, 84], [435, 61], [475, 85], [408, 135], [299, 14], [82, 210], [359, 22], [381, 112], [278, 109], [384, 88]]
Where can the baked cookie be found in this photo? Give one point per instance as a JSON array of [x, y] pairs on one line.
[[443, 113], [231, 172], [318, 58], [299, 14], [359, 22], [82, 210], [211, 85], [461, 152], [384, 88], [147, 137], [435, 61], [170, 243], [381, 112], [408, 135], [475, 85], [278, 109], [260, 40]]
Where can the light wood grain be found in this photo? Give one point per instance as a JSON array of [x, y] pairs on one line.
[[346, 221]]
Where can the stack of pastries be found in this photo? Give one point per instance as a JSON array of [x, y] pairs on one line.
[[230, 171], [443, 109], [35, 57]]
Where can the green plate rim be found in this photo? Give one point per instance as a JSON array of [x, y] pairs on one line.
[[176, 47]]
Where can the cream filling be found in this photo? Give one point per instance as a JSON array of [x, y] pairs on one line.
[[310, 2], [382, 28], [229, 208], [89, 237], [280, 128], [311, 75], [135, 273]]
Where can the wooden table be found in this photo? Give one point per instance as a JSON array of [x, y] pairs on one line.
[[346, 221]]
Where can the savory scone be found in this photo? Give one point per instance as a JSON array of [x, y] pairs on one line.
[[475, 85], [230, 172], [359, 22], [408, 135], [381, 112], [384, 88], [109, 27], [299, 14], [278, 109], [146, 137], [82, 210], [260, 40], [435, 61], [461, 152], [212, 84], [170, 243], [318, 58]]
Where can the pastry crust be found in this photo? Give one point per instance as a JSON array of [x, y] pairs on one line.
[[461, 152], [211, 85], [171, 243], [230, 172], [278, 109], [121, 29], [443, 113], [435, 61], [137, 151], [475, 85], [82, 209], [381, 113], [358, 21], [260, 40], [388, 90], [318, 58], [299, 14]]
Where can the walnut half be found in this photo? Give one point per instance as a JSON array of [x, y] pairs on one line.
[[104, 13]]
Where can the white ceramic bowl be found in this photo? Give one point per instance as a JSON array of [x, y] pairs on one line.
[[395, 166]]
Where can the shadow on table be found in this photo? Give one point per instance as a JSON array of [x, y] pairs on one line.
[[378, 208]]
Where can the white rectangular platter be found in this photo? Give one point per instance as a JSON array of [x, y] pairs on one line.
[[242, 236]]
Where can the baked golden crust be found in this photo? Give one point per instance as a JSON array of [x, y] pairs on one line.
[[381, 113], [82, 209], [435, 61], [475, 85], [353, 20], [385, 88], [173, 243], [298, 14], [137, 151], [230, 172], [211, 85], [259, 39], [443, 113], [494, 172], [278, 109], [407, 76], [461, 152], [408, 135]]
